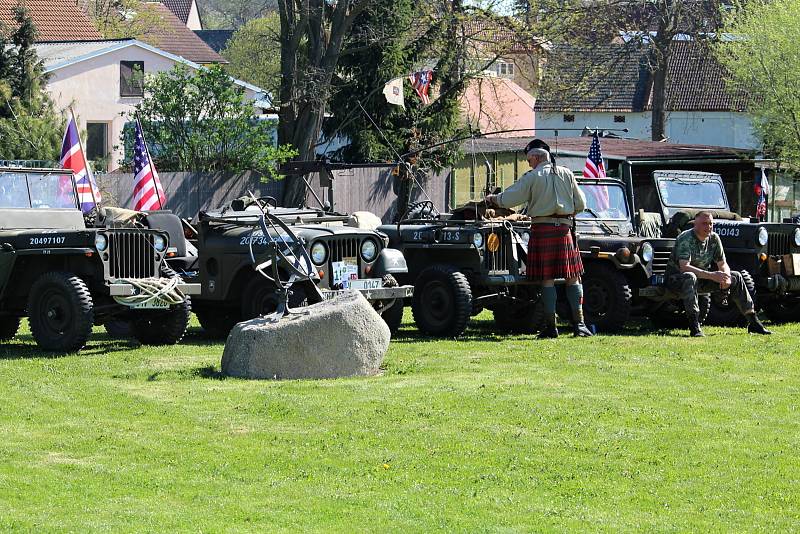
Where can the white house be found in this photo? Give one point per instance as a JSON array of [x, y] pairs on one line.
[[700, 109], [96, 79]]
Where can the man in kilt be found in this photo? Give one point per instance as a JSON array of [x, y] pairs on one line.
[[553, 198]]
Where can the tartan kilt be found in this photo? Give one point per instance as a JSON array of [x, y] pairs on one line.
[[552, 253]]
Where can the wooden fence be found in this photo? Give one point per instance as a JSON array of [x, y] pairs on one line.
[[361, 189]]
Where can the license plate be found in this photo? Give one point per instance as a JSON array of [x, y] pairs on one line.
[[365, 283], [152, 305]]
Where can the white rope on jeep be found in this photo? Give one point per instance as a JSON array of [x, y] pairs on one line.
[[151, 289]]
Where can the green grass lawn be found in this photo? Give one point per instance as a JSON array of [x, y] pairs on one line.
[[636, 432]]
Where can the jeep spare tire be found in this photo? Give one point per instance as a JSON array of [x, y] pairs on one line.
[[442, 302], [60, 312]]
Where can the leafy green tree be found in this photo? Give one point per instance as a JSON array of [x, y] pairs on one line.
[[201, 121], [119, 19], [224, 14], [763, 58], [254, 53], [29, 126]]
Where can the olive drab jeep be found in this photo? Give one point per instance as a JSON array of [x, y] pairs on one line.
[[767, 254], [463, 262], [67, 273], [344, 253]]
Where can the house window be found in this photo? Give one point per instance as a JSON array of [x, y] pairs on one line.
[[96, 140], [505, 69], [619, 118], [569, 118], [131, 78]]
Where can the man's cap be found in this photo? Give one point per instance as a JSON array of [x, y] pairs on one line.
[[536, 143]]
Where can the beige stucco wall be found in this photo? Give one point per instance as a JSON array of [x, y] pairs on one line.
[[193, 22], [92, 88]]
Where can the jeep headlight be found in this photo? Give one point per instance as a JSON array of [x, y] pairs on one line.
[[101, 242], [647, 252], [797, 236], [159, 243], [318, 253], [763, 237], [477, 239], [369, 250]]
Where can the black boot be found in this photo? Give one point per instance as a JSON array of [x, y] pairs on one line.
[[694, 327], [581, 330], [755, 326], [549, 330]]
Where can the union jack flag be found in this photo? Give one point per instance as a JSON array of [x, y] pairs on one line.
[[72, 157], [147, 191], [421, 82], [594, 168], [761, 188]]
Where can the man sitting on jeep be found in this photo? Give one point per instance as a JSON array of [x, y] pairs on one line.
[[689, 272]]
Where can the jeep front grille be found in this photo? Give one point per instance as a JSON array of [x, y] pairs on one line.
[[660, 260], [131, 254], [778, 244], [344, 248], [497, 262]]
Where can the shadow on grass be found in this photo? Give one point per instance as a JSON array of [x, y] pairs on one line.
[[98, 345]]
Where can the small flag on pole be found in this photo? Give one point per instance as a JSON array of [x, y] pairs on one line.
[[761, 188], [421, 82], [147, 191], [72, 157], [393, 91], [594, 168]]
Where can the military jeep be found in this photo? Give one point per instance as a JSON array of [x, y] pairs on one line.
[[344, 255], [768, 254], [461, 263], [67, 273]]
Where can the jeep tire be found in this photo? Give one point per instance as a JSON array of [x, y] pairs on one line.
[[163, 327], [60, 312], [723, 311], [606, 298], [259, 297], [393, 316], [782, 310], [526, 319], [217, 323], [8, 327], [442, 301]]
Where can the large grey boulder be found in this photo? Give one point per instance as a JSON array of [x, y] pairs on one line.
[[343, 336]]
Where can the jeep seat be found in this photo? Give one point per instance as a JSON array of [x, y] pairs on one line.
[[680, 221]]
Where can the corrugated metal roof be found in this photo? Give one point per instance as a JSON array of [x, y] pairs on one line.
[[55, 20]]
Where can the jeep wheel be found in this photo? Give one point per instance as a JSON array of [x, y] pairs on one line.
[[8, 327], [672, 315], [519, 319], [162, 327], [119, 328], [393, 316], [782, 310], [60, 312], [259, 298], [723, 310], [217, 324], [606, 298], [442, 301]]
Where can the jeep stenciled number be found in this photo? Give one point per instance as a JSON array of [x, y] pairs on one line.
[[768, 254], [344, 255], [67, 276]]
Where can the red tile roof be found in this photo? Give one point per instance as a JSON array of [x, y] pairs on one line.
[[55, 20], [181, 8], [172, 35]]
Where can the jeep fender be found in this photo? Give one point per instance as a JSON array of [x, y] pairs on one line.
[[390, 261]]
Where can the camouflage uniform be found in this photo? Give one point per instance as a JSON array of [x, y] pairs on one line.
[[703, 255]]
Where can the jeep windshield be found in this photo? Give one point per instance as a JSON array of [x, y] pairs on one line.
[[33, 190], [604, 201], [683, 193]]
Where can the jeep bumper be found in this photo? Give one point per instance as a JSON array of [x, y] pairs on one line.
[[122, 289], [380, 293], [780, 284]]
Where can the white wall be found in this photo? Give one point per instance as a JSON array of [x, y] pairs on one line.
[[703, 128], [92, 88], [193, 22]]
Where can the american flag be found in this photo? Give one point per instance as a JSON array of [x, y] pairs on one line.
[[421, 82], [594, 168], [147, 191], [72, 157], [761, 188]]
